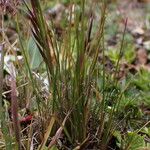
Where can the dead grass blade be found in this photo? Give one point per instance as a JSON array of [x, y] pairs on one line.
[[49, 129], [83, 144], [58, 133]]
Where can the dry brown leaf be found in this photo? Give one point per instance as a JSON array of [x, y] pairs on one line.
[[142, 56], [138, 31]]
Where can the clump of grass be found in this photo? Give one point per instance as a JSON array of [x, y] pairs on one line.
[[69, 75], [83, 99], [71, 71]]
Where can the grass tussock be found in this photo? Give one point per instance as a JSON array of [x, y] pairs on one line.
[[80, 105]]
